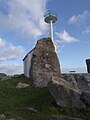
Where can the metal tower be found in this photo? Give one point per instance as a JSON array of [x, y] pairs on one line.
[[50, 17]]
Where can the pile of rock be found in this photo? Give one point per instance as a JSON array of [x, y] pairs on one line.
[[73, 90]]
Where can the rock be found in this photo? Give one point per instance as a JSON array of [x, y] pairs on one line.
[[71, 79], [22, 85], [79, 81], [82, 82], [2, 116], [87, 78], [16, 75], [65, 94], [33, 109], [12, 119], [85, 97], [61, 117], [2, 75], [5, 78], [71, 91], [44, 63]]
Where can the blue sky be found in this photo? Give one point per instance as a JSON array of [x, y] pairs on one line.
[[22, 24]]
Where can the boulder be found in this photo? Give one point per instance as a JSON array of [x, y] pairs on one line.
[[32, 109], [62, 117], [85, 97], [44, 63], [2, 117], [2, 75], [87, 78], [65, 94], [12, 119], [71, 79], [79, 81], [5, 78], [22, 85], [82, 83]]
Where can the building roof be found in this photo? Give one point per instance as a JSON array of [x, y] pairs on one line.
[[28, 53], [87, 60]]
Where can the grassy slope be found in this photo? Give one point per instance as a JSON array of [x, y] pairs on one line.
[[14, 103]]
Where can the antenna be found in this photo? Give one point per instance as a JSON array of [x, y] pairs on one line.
[[50, 17]]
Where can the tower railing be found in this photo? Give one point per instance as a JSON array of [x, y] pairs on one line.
[[50, 12]]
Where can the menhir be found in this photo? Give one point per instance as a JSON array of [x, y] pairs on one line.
[[44, 63]]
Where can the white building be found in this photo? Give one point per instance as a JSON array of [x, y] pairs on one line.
[[27, 63]]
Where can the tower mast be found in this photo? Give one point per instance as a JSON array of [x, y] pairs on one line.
[[50, 18]]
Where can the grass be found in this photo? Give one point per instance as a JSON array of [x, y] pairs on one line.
[[15, 103]]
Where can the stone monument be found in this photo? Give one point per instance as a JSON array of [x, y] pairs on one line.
[[44, 63]]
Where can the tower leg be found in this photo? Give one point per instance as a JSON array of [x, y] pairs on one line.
[[51, 30]]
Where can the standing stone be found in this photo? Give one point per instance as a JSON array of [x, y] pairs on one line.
[[44, 63]]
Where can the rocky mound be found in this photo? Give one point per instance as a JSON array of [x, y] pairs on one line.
[[71, 90]]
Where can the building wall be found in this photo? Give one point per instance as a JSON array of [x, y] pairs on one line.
[[27, 64], [88, 65]]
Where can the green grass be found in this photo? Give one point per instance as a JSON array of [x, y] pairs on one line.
[[14, 103]]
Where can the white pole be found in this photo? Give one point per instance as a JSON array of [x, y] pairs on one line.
[[51, 30]]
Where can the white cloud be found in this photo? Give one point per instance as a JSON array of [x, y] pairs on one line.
[[2, 42], [23, 16], [79, 18], [65, 37], [87, 30], [11, 52], [8, 53], [11, 69]]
